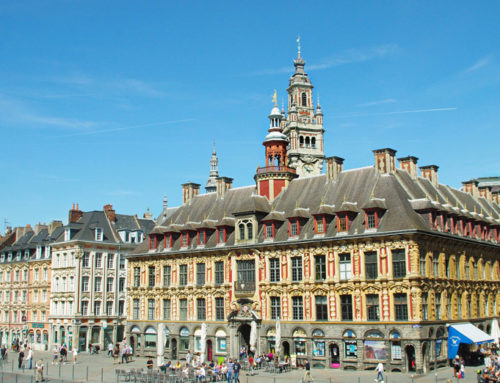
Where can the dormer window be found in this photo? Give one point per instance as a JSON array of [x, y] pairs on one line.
[[26, 254], [342, 222], [221, 235], [372, 217], [185, 239], [67, 234], [245, 229], [98, 234], [269, 229], [319, 224], [294, 227], [202, 237], [152, 242]]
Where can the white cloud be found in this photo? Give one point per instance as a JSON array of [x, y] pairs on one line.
[[478, 64], [378, 102], [351, 56], [15, 112]]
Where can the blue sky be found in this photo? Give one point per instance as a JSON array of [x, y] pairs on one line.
[[119, 102]]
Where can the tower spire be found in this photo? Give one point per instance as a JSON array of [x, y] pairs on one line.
[[214, 172], [298, 47]]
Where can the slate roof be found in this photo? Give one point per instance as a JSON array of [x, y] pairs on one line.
[[84, 228], [401, 200]]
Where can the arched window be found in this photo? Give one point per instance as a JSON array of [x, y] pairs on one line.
[[304, 99], [313, 142], [301, 141], [242, 231], [250, 230], [307, 142]]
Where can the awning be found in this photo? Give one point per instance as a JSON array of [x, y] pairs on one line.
[[465, 333]]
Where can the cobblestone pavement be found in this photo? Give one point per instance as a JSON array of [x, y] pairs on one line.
[[100, 368]]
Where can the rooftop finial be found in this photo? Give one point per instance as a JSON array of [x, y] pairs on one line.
[[319, 105], [164, 202], [214, 148], [275, 98], [298, 47]]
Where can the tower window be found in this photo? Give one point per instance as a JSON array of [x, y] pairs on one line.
[[301, 141], [307, 142], [313, 142], [304, 99]]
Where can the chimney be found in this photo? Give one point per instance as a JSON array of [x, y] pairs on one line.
[[223, 185], [410, 165], [110, 213], [147, 215], [53, 225], [431, 173], [495, 197], [385, 160], [39, 227], [189, 191], [471, 188], [485, 192], [334, 167], [75, 214]]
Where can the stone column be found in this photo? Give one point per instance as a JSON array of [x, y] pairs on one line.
[[101, 338], [76, 334]]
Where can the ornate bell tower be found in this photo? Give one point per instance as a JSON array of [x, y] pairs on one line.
[[276, 175], [304, 128]]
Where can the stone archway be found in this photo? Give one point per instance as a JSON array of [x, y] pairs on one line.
[[244, 336], [411, 360]]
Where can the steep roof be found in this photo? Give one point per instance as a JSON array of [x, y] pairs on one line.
[[401, 200]]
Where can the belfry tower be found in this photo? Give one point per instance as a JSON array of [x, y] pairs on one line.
[[276, 175], [304, 127], [214, 173]]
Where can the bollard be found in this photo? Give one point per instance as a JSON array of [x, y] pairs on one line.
[[331, 379], [59, 370], [247, 378], [16, 378], [73, 373], [387, 379], [87, 373], [31, 379], [359, 379], [412, 378], [102, 375], [47, 369], [12, 366], [436, 377], [274, 379]]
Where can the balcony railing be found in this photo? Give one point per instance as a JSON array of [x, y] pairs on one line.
[[276, 169], [244, 286]]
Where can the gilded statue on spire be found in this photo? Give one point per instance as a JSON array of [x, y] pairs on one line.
[[275, 98]]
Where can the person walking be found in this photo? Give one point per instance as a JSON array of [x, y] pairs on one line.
[[29, 358], [237, 368], [188, 357], [230, 371], [20, 359], [380, 372], [307, 374], [39, 371], [110, 349], [75, 355]]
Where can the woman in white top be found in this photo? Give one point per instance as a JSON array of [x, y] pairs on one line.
[[75, 354]]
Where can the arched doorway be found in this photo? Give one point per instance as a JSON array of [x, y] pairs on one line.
[[410, 358], [174, 348], [244, 336], [209, 350], [334, 355], [286, 348]]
